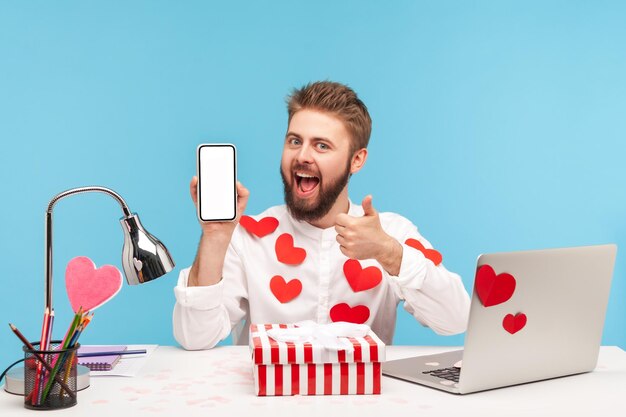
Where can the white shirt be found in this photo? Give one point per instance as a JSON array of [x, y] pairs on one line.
[[204, 315]]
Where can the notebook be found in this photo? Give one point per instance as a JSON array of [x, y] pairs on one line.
[[100, 363]]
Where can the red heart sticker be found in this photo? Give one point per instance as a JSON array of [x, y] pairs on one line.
[[514, 324], [431, 254], [286, 252], [493, 289], [343, 312], [361, 279], [260, 228], [285, 291]]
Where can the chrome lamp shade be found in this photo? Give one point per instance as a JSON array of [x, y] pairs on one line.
[[144, 257]]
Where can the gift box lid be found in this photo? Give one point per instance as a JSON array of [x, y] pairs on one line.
[[267, 351]]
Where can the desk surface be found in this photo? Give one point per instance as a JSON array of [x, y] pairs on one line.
[[219, 382]]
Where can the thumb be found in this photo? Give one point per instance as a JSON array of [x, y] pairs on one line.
[[193, 190], [368, 208]]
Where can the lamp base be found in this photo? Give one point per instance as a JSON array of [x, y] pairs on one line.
[[14, 380]]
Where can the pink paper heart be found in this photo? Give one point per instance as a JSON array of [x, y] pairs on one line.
[[88, 287]]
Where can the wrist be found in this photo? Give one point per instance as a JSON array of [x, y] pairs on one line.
[[215, 240], [391, 256]]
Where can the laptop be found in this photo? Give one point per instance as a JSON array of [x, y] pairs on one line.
[[534, 315]]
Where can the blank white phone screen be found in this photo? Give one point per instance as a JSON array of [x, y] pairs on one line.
[[216, 184]]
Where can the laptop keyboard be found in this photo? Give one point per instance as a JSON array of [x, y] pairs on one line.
[[451, 374]]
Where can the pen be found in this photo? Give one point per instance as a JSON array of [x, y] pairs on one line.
[[43, 362], [121, 352]]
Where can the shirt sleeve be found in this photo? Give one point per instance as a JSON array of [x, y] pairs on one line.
[[205, 315], [435, 296]]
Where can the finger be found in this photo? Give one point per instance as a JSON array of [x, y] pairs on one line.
[[193, 189], [242, 198], [368, 207], [343, 220], [341, 240], [339, 229]]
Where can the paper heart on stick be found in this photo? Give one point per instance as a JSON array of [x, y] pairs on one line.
[[88, 287]]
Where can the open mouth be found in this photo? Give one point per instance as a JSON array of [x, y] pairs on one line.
[[306, 183]]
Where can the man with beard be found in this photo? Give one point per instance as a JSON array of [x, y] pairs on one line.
[[319, 257]]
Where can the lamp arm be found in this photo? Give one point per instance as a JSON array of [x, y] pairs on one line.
[[48, 231], [81, 190]]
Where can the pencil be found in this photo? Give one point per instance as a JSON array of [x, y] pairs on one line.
[[67, 343], [40, 359], [82, 323], [85, 319], [43, 345]]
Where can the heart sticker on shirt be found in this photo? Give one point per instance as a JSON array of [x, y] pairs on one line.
[[514, 324], [361, 279], [88, 287], [260, 228], [493, 289], [431, 254], [286, 252], [285, 291], [343, 312]]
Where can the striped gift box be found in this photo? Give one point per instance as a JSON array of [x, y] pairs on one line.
[[285, 368]]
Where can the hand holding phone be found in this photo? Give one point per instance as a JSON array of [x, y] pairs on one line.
[[222, 204]]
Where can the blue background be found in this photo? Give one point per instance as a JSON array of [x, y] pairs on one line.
[[498, 126]]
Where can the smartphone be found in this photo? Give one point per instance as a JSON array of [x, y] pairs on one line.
[[217, 182]]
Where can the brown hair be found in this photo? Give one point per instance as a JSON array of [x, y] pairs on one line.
[[339, 100]]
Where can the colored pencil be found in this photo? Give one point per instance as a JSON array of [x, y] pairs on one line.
[[46, 346], [37, 387], [41, 360], [62, 359], [84, 321]]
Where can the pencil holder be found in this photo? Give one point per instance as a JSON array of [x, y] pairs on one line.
[[50, 385]]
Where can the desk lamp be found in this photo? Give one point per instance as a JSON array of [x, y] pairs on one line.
[[144, 257]]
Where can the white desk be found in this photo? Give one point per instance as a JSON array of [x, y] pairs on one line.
[[219, 382]]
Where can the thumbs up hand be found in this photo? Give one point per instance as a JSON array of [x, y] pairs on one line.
[[364, 238]]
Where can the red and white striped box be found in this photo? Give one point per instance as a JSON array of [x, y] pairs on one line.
[[287, 368]]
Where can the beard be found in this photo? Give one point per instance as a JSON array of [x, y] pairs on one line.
[[304, 210]]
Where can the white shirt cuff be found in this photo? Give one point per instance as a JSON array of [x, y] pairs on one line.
[[205, 297], [412, 268]]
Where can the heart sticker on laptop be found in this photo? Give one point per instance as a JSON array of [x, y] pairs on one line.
[[493, 289], [514, 323]]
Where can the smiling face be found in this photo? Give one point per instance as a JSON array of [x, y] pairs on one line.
[[316, 163]]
